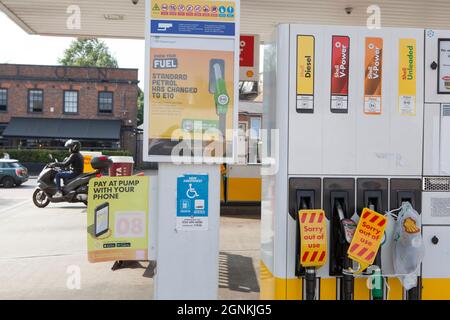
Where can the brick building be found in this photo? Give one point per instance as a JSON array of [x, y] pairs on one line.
[[42, 106]]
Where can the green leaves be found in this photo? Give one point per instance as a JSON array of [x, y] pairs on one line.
[[140, 107], [88, 53]]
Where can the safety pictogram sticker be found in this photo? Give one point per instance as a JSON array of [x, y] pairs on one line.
[[313, 238], [367, 239]]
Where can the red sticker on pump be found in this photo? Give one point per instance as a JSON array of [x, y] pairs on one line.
[[340, 66]]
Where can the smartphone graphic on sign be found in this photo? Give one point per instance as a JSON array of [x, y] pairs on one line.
[[101, 223]]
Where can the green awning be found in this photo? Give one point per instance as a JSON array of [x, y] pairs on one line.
[[63, 128]]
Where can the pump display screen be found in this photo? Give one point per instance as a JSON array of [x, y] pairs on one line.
[[101, 219]]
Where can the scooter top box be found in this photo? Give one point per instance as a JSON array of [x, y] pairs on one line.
[[101, 162]]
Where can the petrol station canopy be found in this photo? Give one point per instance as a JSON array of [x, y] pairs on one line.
[[123, 19]]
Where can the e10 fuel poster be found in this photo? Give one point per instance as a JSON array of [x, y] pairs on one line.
[[192, 72], [340, 69], [373, 75], [117, 219]]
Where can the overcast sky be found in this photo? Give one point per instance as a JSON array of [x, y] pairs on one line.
[[19, 47]]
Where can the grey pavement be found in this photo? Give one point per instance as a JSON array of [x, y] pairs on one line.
[[42, 249]]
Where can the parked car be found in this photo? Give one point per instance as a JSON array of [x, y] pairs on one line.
[[12, 173]]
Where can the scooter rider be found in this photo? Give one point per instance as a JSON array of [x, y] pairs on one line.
[[74, 163]]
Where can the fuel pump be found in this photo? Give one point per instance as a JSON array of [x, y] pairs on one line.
[[408, 190], [348, 227], [323, 137], [435, 209], [372, 193], [377, 289], [365, 246], [339, 203], [304, 195], [310, 272], [313, 250]]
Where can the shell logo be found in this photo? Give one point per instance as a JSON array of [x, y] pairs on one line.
[[410, 226]]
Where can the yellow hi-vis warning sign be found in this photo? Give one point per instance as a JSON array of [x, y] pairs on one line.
[[367, 238], [313, 238]]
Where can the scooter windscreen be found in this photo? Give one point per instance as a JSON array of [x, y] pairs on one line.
[[47, 175]]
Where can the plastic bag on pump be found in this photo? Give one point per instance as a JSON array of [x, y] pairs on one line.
[[409, 248]]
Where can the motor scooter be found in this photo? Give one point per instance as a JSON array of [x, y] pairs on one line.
[[74, 190]]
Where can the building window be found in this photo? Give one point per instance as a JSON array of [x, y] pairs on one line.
[[105, 102], [3, 99], [70, 101], [35, 100]]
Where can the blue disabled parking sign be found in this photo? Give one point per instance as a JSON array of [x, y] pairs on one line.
[[192, 202]]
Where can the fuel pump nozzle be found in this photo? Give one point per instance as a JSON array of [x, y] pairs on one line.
[[221, 97], [377, 281], [304, 205], [348, 227], [218, 87], [408, 197], [310, 272]]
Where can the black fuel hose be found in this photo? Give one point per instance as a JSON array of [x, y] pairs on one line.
[[310, 283]]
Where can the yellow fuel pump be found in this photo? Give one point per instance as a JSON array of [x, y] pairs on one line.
[[346, 140], [364, 248], [313, 244]]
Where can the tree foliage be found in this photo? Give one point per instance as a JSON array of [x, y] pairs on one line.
[[88, 53], [140, 108]]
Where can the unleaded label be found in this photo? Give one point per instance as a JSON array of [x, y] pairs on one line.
[[407, 77]]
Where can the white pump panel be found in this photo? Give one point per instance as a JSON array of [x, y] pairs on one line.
[[355, 143]]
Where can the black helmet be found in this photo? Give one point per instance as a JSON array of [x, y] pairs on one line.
[[73, 145]]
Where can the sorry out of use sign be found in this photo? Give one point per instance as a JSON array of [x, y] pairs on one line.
[[367, 238], [313, 238]]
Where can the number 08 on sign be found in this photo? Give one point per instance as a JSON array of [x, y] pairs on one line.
[[367, 239], [313, 238]]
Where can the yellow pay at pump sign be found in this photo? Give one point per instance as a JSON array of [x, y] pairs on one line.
[[313, 238], [367, 238]]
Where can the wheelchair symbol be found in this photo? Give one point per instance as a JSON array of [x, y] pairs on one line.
[[191, 193]]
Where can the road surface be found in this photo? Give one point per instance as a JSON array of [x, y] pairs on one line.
[[43, 255]]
